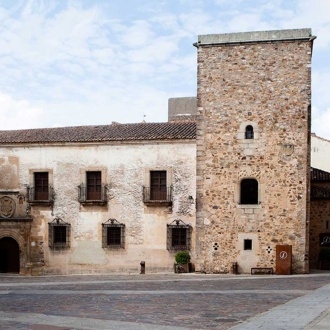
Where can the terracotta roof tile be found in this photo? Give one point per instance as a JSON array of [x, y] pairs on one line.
[[114, 132], [319, 175]]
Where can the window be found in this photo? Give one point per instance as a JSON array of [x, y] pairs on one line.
[[158, 185], [93, 191], [178, 236], [40, 191], [159, 191], [93, 185], [248, 244], [249, 191], [59, 234], [113, 234], [249, 132]]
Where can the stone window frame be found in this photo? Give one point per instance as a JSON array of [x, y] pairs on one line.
[[109, 224], [52, 226], [147, 182], [179, 224], [83, 183], [31, 184], [237, 194], [242, 130]]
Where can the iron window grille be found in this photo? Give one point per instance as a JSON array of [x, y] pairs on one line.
[[41, 192], [178, 236], [249, 191], [113, 234], [59, 234]]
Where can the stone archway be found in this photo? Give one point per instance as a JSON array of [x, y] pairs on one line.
[[9, 255]]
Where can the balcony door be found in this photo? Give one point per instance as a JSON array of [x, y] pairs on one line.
[[94, 186], [158, 189]]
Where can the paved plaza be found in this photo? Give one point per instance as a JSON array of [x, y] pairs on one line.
[[165, 301]]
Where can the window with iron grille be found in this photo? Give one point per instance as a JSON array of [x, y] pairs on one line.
[[59, 234], [41, 186], [249, 191], [178, 236], [113, 234]]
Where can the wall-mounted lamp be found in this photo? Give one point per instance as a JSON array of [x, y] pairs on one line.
[[191, 199]]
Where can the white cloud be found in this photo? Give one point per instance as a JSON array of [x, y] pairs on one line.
[[320, 122], [18, 114]]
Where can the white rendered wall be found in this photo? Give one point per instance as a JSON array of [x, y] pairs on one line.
[[124, 166], [320, 153]]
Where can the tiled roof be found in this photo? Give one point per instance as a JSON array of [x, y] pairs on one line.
[[319, 175], [114, 132]]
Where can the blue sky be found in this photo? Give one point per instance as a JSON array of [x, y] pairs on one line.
[[67, 63]]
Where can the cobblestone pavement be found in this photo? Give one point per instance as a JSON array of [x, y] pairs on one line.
[[159, 301]]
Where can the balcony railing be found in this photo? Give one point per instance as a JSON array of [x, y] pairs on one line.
[[157, 196], [92, 196], [43, 196]]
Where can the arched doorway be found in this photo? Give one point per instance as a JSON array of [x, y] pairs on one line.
[[9, 255]]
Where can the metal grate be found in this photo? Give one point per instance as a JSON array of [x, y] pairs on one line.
[[178, 236], [87, 196], [59, 234], [113, 234], [152, 195], [35, 196]]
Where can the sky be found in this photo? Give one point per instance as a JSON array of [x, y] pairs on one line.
[[70, 63]]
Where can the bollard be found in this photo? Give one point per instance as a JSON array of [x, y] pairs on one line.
[[143, 267], [235, 268]]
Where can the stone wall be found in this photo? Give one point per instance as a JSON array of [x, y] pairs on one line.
[[266, 84]]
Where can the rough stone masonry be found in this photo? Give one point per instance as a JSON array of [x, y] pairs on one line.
[[260, 80]]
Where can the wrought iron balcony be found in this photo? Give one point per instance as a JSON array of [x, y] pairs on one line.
[[153, 196], [86, 195], [44, 195]]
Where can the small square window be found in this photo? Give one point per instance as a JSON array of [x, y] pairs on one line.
[[248, 244], [113, 234], [178, 236], [59, 234]]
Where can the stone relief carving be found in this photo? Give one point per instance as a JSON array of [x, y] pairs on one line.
[[7, 207]]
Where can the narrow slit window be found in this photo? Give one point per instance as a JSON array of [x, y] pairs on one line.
[[249, 132]]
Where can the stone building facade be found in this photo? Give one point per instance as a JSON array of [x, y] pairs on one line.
[[253, 148], [227, 177], [96, 199]]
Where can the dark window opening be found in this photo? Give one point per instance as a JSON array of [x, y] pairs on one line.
[[249, 132], [113, 234], [41, 187], [178, 236], [158, 189], [94, 186], [59, 234], [249, 191], [248, 244]]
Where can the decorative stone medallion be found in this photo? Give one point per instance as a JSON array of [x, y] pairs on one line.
[[287, 149], [7, 207]]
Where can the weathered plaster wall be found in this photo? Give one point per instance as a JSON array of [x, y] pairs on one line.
[[268, 85], [320, 153], [123, 166]]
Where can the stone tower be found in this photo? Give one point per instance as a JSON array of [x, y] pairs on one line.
[[253, 148]]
